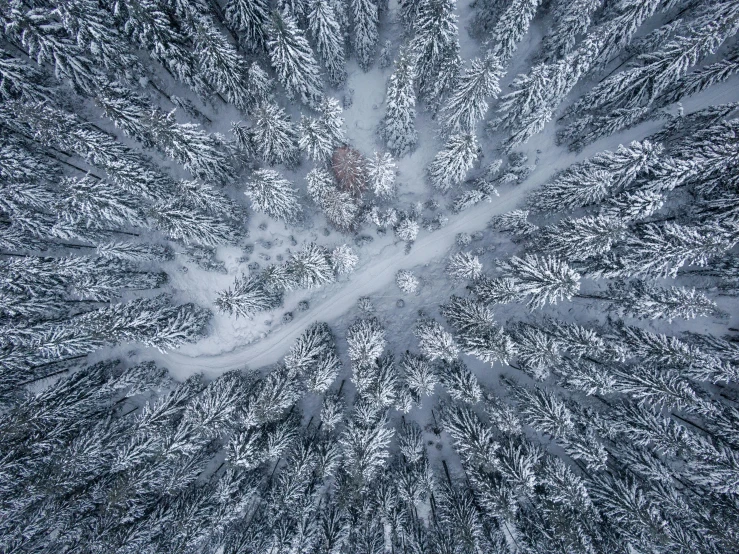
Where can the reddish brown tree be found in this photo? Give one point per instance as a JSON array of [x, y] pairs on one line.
[[350, 169]]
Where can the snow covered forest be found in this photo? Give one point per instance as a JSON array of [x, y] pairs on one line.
[[369, 276]]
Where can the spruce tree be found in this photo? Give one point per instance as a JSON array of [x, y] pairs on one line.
[[293, 60], [366, 338], [632, 92], [190, 225], [434, 341], [274, 136], [468, 104], [311, 266], [220, 63], [314, 141], [381, 174], [326, 32], [451, 164], [271, 194], [435, 48], [343, 259], [406, 281], [511, 27], [596, 179], [536, 95], [398, 127], [250, 19], [419, 376], [365, 16], [544, 279], [247, 296], [464, 265], [570, 21]]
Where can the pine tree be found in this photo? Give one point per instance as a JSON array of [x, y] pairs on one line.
[[458, 512], [30, 30], [377, 384], [514, 222], [630, 207], [293, 60], [486, 13], [643, 299], [468, 104], [271, 194], [21, 81], [313, 355], [635, 90], [364, 444], [398, 127], [326, 33], [542, 410], [473, 440], [701, 79], [661, 250], [247, 296], [536, 96], [274, 136], [341, 209], [583, 237], [476, 331], [319, 184], [152, 322], [201, 154], [250, 19], [320, 137], [259, 85], [134, 252], [204, 197], [365, 35], [97, 205], [450, 165], [332, 411], [332, 120], [694, 361], [151, 27]]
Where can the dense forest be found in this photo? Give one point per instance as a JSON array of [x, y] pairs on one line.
[[369, 276]]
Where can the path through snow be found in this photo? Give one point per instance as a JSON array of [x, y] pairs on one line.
[[372, 278]]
